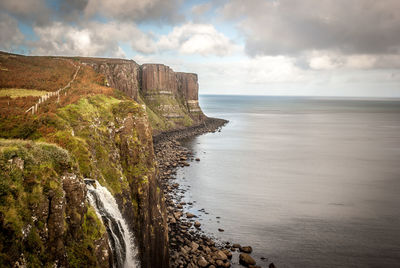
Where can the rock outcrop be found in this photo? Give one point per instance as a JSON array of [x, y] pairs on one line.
[[112, 141], [138, 164], [171, 97], [45, 218], [94, 133], [120, 74], [158, 79], [188, 86]]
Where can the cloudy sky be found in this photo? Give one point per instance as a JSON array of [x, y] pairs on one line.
[[263, 47]]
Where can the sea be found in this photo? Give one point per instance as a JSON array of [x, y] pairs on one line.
[[307, 182]]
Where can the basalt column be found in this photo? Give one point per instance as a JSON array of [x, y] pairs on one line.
[[188, 86], [158, 79]]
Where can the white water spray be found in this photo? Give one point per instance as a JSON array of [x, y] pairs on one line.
[[119, 237]]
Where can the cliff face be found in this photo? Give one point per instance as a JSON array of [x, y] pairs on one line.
[[95, 132], [171, 97], [138, 163], [111, 139], [188, 86], [45, 218], [119, 74], [158, 79]]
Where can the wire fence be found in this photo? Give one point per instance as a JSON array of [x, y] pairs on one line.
[[34, 109]]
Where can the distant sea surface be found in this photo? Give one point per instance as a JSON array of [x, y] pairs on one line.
[[306, 182]]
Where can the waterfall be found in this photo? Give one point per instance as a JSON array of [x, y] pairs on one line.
[[119, 238]]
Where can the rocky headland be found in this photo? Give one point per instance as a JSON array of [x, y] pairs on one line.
[[116, 124]]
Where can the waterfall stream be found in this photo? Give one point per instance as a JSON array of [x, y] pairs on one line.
[[119, 238]]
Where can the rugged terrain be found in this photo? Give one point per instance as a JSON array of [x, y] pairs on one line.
[[170, 98], [64, 120], [68, 119]]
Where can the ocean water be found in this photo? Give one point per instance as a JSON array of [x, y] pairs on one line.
[[306, 182]]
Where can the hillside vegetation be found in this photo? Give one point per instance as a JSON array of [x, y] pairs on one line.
[[90, 131]]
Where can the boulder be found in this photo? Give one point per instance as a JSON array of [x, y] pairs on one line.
[[221, 255], [246, 249], [246, 260], [194, 246], [219, 263], [177, 215], [190, 215], [227, 253], [202, 262]]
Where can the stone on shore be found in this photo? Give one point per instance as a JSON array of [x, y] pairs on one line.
[[177, 215], [190, 215], [172, 220], [227, 253], [246, 260], [202, 262], [246, 249], [221, 255], [188, 247], [219, 263]]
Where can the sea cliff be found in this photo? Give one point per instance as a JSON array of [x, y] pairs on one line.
[[171, 98], [93, 119]]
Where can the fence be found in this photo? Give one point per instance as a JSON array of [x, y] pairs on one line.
[[44, 98]]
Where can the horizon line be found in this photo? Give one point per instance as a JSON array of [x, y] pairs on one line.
[[306, 96]]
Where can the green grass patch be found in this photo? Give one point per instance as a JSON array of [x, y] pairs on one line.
[[160, 106], [85, 130], [157, 122], [29, 173], [21, 92]]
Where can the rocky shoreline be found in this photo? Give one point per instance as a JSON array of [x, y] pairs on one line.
[[188, 246]]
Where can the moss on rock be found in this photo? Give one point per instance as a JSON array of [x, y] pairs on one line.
[[33, 225]]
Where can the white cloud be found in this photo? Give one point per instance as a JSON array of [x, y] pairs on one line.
[[96, 39], [278, 75], [241, 72], [360, 61], [35, 10], [199, 11], [138, 10], [201, 39], [324, 62], [272, 69], [103, 39], [10, 36], [328, 60], [358, 28]]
